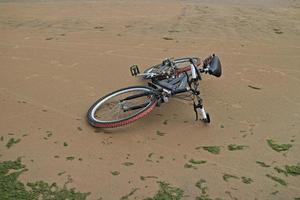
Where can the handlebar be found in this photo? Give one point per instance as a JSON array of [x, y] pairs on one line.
[[188, 68], [211, 65]]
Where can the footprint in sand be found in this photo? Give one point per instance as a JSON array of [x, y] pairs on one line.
[[66, 80], [31, 76], [55, 77], [73, 65], [277, 31], [89, 88], [54, 62], [19, 58], [237, 106]]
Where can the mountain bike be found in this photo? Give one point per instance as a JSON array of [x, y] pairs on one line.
[[172, 77]]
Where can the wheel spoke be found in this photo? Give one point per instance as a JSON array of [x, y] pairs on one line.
[[108, 109], [114, 108]]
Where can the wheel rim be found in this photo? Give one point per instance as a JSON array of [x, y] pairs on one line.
[[110, 109]]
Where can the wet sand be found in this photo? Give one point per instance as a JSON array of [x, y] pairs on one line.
[[58, 57]]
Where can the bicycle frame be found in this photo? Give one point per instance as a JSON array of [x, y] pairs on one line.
[[188, 82]]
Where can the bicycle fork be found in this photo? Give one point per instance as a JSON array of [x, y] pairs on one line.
[[198, 105], [199, 109]]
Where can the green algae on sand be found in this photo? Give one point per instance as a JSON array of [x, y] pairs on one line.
[[115, 173], [293, 170], [278, 147], [289, 170], [126, 197], [228, 176], [127, 164], [167, 192], [160, 133], [197, 162], [211, 149], [235, 147], [150, 154], [168, 38], [262, 164], [189, 166], [275, 192], [70, 158], [246, 180], [143, 178], [277, 179], [61, 173], [280, 170], [201, 185], [11, 142], [12, 188]]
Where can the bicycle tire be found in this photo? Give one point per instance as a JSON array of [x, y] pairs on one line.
[[91, 114]]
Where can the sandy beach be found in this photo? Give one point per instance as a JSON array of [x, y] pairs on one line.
[[58, 57]]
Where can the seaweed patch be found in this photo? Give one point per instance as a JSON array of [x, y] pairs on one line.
[[289, 170], [189, 166], [167, 192], [278, 147], [246, 180], [228, 176], [211, 149], [115, 173], [293, 170], [143, 178], [197, 162], [235, 147], [160, 133], [13, 188], [70, 158], [126, 197], [277, 179], [11, 142], [262, 164], [254, 87], [127, 164]]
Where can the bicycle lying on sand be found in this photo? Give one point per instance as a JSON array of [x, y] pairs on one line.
[[167, 79]]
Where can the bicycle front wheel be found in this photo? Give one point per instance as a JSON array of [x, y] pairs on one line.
[[122, 107]]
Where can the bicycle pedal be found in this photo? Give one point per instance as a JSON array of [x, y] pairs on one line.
[[134, 69]]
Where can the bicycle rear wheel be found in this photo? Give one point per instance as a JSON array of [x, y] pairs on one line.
[[122, 107]]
